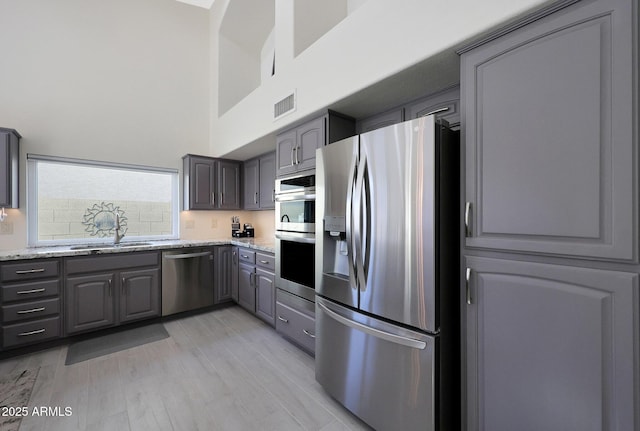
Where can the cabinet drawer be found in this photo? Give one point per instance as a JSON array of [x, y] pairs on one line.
[[29, 291], [266, 261], [247, 255], [296, 326], [29, 270], [24, 333], [30, 310]]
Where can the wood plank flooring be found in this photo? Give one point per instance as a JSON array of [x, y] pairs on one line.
[[220, 370]]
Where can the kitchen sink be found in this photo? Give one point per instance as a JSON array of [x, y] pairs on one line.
[[103, 246]]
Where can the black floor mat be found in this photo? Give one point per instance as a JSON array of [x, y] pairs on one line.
[[114, 342]]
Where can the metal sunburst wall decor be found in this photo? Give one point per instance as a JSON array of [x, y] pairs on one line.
[[100, 220]]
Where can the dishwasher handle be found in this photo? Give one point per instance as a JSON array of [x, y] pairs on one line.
[[186, 255]]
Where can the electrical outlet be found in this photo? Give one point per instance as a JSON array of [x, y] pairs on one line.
[[189, 224], [214, 223], [6, 228]]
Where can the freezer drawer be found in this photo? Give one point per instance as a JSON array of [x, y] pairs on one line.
[[387, 373]]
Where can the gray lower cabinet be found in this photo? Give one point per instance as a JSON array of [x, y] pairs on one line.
[[234, 274], [550, 347], [9, 165], [256, 283], [103, 291], [30, 302], [210, 184], [550, 145], [295, 320], [223, 284]]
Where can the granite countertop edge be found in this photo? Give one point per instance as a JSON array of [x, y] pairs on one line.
[[260, 244]]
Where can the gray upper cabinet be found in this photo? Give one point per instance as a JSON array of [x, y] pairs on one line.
[[444, 105], [384, 119], [267, 190], [9, 163], [296, 147], [259, 182], [210, 184], [549, 120], [550, 347], [251, 184]]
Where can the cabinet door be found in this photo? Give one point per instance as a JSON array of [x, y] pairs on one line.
[[550, 347], [265, 296], [267, 192], [139, 294], [246, 287], [285, 144], [251, 184], [445, 105], [89, 302], [201, 183], [9, 156], [383, 119], [228, 185], [234, 274], [549, 135], [223, 283], [310, 136]]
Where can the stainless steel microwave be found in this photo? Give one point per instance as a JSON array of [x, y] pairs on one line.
[[296, 203]]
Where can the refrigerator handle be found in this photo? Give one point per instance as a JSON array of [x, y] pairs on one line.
[[384, 335], [353, 171], [467, 277], [365, 228], [357, 221]]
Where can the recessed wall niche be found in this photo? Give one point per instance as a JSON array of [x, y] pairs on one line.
[[246, 50], [313, 19]]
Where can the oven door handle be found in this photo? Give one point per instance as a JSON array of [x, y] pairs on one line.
[[295, 197], [307, 238]]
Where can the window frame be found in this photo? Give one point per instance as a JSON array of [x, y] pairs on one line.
[[32, 200]]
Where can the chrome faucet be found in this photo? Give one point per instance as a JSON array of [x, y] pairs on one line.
[[117, 237]]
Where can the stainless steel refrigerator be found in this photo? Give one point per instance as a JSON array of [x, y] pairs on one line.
[[387, 307]]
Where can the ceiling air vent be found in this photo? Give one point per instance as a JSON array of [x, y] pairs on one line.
[[284, 106]]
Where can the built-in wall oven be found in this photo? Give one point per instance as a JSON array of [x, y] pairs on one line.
[[295, 234]]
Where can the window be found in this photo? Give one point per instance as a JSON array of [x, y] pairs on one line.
[[75, 201]]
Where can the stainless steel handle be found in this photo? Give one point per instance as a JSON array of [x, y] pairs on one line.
[[446, 108], [292, 149], [467, 219], [33, 310], [398, 339], [273, 195], [255, 199], [244, 256], [122, 287], [296, 197], [30, 271], [359, 236], [213, 198], [25, 334], [26, 292], [110, 285], [221, 198], [467, 277], [309, 333], [266, 262], [186, 255], [235, 257], [353, 170], [282, 319], [298, 155], [297, 237]]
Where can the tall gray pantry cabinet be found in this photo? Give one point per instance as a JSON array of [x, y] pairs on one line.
[[550, 123]]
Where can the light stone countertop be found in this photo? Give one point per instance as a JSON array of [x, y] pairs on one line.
[[260, 244]]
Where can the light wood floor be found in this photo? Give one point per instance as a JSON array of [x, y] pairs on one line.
[[221, 370]]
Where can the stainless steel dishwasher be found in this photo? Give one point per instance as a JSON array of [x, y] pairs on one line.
[[187, 280]]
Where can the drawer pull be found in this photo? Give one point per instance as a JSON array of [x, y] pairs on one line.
[[26, 292], [33, 310], [244, 256], [30, 271], [26, 334], [266, 262], [282, 319], [309, 333]]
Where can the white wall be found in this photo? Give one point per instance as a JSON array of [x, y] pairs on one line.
[[379, 39], [118, 80]]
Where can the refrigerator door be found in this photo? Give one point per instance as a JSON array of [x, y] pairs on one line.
[[383, 373], [394, 223], [335, 260]]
